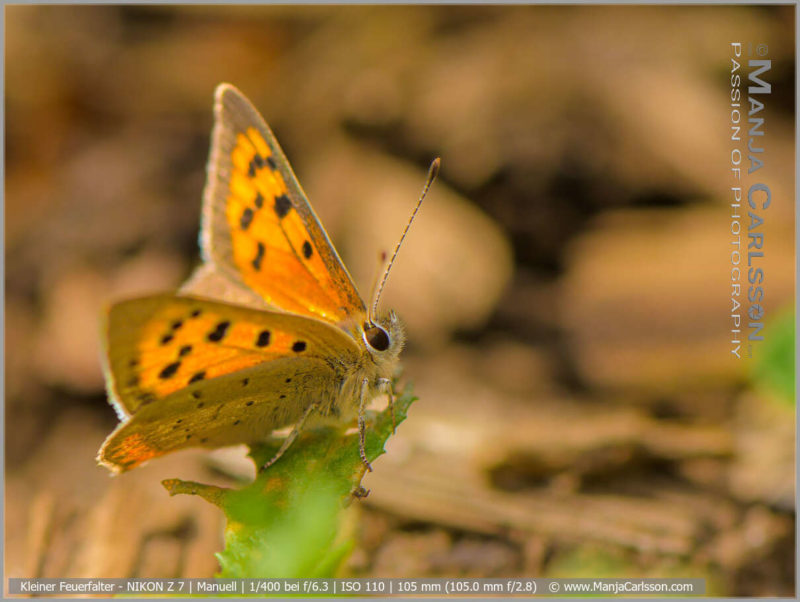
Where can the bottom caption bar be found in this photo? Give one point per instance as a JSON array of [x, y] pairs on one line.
[[356, 587]]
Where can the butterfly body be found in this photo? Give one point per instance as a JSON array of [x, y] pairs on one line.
[[269, 331]]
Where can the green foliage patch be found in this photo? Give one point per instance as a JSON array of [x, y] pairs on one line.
[[289, 521]]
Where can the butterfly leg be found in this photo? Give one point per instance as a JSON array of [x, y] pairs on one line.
[[385, 383], [292, 436], [362, 423]]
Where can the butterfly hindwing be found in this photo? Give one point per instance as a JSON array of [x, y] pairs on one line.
[[236, 408], [258, 226]]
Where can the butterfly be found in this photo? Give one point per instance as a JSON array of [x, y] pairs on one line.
[[268, 332]]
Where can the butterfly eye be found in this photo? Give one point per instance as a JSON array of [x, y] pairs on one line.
[[376, 337]]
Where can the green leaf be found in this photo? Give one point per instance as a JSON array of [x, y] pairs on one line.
[[774, 366], [289, 521]]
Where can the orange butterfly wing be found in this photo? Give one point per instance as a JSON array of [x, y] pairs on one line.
[[183, 371], [258, 227], [159, 345]]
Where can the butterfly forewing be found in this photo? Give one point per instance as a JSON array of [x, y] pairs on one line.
[[163, 344], [210, 282], [258, 226]]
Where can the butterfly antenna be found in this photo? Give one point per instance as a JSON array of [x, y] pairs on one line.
[[433, 171], [379, 267]]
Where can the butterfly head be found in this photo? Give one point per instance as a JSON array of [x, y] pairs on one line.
[[384, 338]]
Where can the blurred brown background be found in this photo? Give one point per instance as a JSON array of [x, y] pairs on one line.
[[565, 286]]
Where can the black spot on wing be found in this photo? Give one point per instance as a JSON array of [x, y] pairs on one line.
[[282, 206], [219, 332], [251, 168], [263, 338], [246, 219], [299, 346], [259, 256], [169, 370], [197, 376], [307, 250]]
